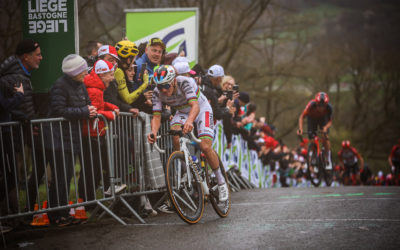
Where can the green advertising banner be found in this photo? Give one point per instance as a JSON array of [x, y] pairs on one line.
[[52, 24], [177, 27]]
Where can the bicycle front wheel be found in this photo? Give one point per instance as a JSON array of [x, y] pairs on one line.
[[221, 208], [313, 170], [185, 192]]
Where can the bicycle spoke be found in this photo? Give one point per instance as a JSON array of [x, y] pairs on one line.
[[176, 195], [189, 198]]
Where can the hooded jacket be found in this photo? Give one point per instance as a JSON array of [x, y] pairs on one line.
[[95, 88], [12, 74]]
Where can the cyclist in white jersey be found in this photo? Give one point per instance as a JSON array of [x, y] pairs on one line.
[[183, 94]]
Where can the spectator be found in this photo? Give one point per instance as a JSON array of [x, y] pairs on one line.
[[95, 164], [394, 163], [127, 52], [16, 71], [211, 88], [92, 48], [154, 52], [68, 99], [108, 53], [8, 172]]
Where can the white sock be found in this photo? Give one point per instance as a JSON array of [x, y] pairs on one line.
[[220, 177]]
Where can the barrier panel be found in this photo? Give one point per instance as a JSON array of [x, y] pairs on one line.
[[42, 161]]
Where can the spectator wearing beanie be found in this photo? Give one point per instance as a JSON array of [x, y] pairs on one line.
[[69, 99]]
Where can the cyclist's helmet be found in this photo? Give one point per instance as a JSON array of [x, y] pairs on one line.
[[322, 98], [346, 144], [164, 75], [126, 48]]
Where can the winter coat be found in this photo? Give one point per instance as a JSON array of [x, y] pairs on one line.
[[212, 95], [95, 88], [12, 73], [111, 95], [68, 99]]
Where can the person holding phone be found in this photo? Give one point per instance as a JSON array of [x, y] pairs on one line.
[[154, 52], [127, 52]]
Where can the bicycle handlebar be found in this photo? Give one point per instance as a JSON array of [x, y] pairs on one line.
[[173, 133]]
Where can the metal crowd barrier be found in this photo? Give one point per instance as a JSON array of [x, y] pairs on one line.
[[38, 159]]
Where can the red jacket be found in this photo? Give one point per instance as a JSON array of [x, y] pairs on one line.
[[95, 88]]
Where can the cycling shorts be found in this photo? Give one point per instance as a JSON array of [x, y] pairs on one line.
[[351, 169], [314, 123], [204, 122]]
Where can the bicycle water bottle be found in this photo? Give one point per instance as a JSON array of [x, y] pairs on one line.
[[196, 162]]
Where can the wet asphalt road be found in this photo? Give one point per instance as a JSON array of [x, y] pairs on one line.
[[292, 218]]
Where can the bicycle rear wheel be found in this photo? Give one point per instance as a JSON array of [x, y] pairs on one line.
[[221, 208], [328, 174], [313, 170], [187, 198]]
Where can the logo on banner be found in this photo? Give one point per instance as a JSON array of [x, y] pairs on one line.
[[47, 16], [173, 34]]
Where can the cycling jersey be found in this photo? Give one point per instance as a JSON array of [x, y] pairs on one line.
[[349, 156], [395, 154], [186, 91], [312, 112], [316, 118]]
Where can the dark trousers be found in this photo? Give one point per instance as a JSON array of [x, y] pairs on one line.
[[62, 171], [7, 172], [95, 167]]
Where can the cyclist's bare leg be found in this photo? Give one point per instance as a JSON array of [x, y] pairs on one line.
[[175, 139], [327, 146], [210, 154]]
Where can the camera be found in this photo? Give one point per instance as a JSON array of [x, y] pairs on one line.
[[236, 88], [228, 94]]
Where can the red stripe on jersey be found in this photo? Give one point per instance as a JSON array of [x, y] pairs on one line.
[[207, 120]]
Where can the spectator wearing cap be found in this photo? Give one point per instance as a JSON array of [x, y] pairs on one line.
[[211, 88], [108, 53], [182, 67], [153, 55], [69, 99], [15, 71], [96, 162]]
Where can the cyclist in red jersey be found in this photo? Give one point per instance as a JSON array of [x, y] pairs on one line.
[[319, 114], [394, 162], [348, 158]]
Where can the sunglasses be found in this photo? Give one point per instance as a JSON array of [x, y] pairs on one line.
[[163, 86]]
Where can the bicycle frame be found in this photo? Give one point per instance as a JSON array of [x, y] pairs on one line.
[[183, 141]]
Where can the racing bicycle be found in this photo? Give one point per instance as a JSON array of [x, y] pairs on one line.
[[316, 161], [190, 183]]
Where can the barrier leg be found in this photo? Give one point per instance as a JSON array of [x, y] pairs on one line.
[[236, 186], [132, 210], [111, 213]]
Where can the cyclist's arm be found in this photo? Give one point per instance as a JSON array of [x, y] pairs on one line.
[[359, 157], [391, 156], [155, 124], [327, 126], [194, 111], [340, 158], [301, 118]]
